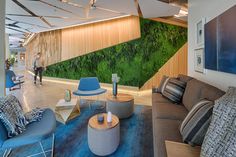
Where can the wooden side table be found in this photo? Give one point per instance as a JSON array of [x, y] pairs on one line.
[[176, 149], [66, 111], [103, 139], [122, 105]]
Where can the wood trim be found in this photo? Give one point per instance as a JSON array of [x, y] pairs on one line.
[[171, 21], [176, 149], [174, 66]]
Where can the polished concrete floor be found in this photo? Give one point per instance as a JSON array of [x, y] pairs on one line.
[[53, 90]]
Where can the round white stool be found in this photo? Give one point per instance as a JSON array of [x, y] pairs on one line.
[[103, 139]]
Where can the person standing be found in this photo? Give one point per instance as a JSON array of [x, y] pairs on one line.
[[38, 68]]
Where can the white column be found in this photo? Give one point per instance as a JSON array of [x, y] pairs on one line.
[[7, 47], [18, 57], [2, 47]]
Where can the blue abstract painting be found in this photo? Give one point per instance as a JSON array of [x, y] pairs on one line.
[[211, 45], [220, 42]]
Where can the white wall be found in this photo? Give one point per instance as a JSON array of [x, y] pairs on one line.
[[2, 47], [7, 52], [209, 9]]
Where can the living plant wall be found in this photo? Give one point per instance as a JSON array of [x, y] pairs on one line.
[[134, 61]]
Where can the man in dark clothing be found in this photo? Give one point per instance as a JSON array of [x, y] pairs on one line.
[[38, 68]]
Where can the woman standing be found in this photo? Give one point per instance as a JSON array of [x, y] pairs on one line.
[[38, 68]]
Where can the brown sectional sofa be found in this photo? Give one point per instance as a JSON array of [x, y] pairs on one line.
[[167, 117]]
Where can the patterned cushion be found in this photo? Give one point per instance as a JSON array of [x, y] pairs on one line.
[[196, 123], [12, 115], [34, 115], [220, 139], [174, 89], [163, 82]]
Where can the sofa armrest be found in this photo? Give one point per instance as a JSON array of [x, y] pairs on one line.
[[155, 90]]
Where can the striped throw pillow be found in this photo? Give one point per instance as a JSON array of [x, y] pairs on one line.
[[174, 89], [162, 84], [196, 123]]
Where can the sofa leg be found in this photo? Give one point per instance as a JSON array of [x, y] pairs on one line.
[[7, 152]]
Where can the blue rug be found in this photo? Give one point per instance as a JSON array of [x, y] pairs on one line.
[[71, 139]]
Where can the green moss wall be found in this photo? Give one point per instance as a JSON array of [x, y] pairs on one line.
[[135, 61]]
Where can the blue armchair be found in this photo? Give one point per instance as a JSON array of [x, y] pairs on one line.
[[9, 80], [89, 86], [35, 132]]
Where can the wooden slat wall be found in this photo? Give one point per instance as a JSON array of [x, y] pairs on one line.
[[49, 44], [174, 66], [81, 40], [60, 45]]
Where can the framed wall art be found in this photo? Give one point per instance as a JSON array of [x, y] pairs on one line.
[[200, 33], [199, 60]]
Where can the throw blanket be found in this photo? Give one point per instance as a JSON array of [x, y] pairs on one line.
[[13, 117], [34, 115], [220, 139]]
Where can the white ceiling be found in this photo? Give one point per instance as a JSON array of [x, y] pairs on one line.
[[32, 16], [154, 8]]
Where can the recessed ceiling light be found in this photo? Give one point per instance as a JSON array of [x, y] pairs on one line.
[[64, 1]]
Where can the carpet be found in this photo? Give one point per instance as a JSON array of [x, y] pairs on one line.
[[136, 138]]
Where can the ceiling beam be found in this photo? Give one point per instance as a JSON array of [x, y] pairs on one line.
[[17, 30], [54, 6], [172, 21], [31, 13], [25, 22], [60, 8]]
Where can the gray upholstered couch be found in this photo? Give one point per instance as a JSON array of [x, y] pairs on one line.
[[167, 116]]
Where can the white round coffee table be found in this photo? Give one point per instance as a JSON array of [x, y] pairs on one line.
[[103, 139], [122, 105]]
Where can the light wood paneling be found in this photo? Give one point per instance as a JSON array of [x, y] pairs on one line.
[[60, 45], [174, 66], [49, 44], [81, 40]]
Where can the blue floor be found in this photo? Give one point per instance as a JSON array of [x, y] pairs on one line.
[[71, 139]]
